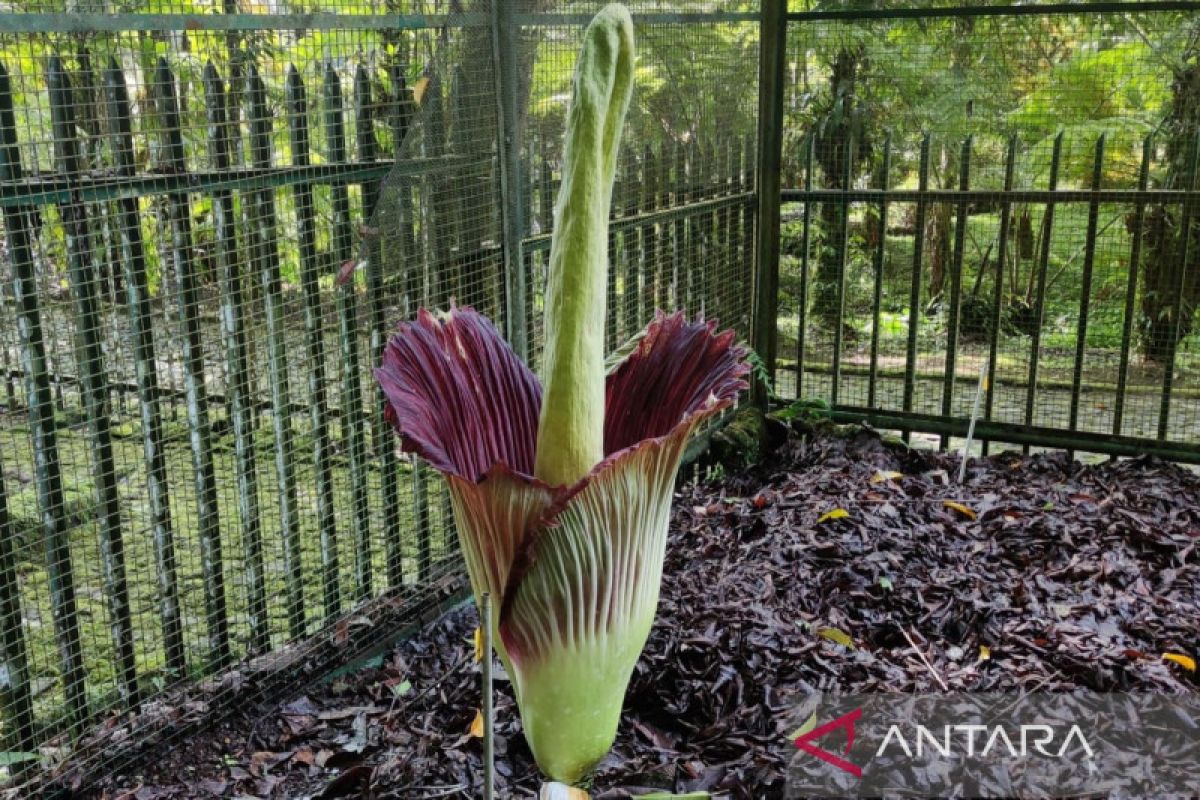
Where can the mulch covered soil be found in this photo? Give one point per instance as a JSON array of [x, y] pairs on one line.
[[1038, 573]]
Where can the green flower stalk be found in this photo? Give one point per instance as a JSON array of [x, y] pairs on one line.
[[571, 432], [562, 494]]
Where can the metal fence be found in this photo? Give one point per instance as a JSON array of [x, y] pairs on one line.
[[994, 196], [214, 214], [212, 217]]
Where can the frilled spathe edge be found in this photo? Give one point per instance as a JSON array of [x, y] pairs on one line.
[[462, 400], [458, 395]]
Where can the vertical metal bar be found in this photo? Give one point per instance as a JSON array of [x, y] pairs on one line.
[[694, 263], [708, 225], [442, 236], [880, 252], [207, 512], [731, 183], [238, 389], [805, 246], [771, 64], [40, 399], [505, 36], [914, 294], [680, 264], [843, 246], [381, 444], [84, 274], [438, 232], [297, 107], [665, 268], [652, 277], [1010, 163], [410, 281], [141, 324], [1039, 303], [1135, 260], [352, 401], [15, 696], [266, 256], [733, 223], [749, 215], [1085, 290], [962, 219], [630, 291], [1185, 256], [489, 713], [85, 110], [415, 293]]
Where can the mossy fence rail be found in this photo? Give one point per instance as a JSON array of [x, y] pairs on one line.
[[198, 491]]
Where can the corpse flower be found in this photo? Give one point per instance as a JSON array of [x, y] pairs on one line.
[[561, 490]]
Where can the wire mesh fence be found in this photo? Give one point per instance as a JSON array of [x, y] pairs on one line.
[[213, 215], [1006, 198]]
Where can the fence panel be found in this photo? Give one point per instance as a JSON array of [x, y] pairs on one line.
[[211, 222], [1001, 198]]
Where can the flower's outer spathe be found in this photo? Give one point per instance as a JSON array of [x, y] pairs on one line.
[[578, 567]]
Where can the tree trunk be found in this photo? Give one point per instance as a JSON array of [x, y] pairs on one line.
[[835, 134], [1168, 316], [937, 244]]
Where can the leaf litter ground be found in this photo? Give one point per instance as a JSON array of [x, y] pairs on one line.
[[1038, 574]]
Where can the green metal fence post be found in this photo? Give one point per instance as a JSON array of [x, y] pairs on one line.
[[42, 424], [266, 257], [630, 206], [1039, 303], [805, 254], [880, 253], [297, 108], [771, 64], [187, 287], [505, 35], [961, 221], [679, 254], [914, 292], [1085, 290], [141, 323], [382, 440], [652, 277], [239, 390], [1010, 163], [16, 699], [1187, 219], [1136, 230], [416, 293], [842, 249], [85, 288], [342, 250]]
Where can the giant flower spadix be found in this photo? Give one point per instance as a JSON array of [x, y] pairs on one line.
[[561, 490]]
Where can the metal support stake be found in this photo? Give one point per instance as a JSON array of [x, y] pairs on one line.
[[489, 711], [512, 211], [772, 52]]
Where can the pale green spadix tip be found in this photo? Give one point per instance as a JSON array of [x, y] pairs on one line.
[[571, 429]]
